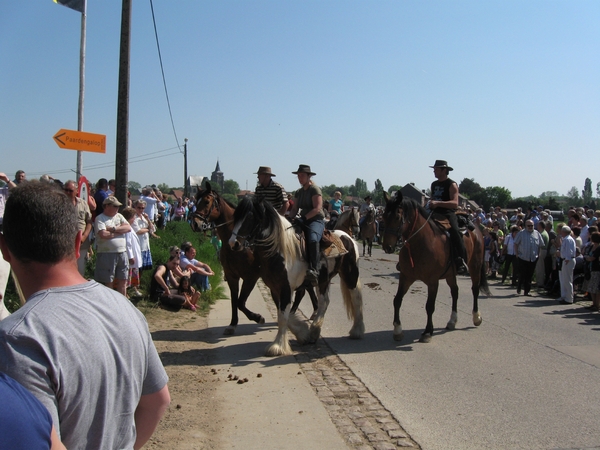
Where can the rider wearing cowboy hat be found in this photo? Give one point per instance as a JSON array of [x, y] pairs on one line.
[[271, 191], [444, 201], [309, 201]]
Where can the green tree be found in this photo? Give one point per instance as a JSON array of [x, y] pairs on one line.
[[587, 192], [359, 189], [552, 204], [472, 190], [378, 193], [496, 196], [134, 187], [549, 194], [394, 187], [573, 197], [164, 188], [231, 187]]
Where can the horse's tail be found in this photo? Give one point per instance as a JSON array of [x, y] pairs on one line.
[[484, 287]]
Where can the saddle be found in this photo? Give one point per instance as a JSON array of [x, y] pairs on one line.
[[330, 244], [464, 224]]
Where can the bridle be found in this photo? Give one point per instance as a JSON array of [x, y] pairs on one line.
[[207, 223], [411, 234]]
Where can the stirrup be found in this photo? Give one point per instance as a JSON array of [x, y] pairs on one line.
[[461, 267]]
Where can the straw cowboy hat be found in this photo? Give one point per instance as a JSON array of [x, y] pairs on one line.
[[264, 170], [303, 168], [441, 163]]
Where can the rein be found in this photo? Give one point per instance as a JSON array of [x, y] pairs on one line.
[[412, 234]]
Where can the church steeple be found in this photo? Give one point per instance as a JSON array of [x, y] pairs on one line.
[[217, 177]]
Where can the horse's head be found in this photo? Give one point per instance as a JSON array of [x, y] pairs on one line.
[[393, 221], [246, 223], [207, 209]]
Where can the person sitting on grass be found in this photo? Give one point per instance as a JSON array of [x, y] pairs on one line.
[[191, 295], [163, 286], [200, 270]]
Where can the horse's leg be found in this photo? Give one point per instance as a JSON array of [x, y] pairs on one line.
[[247, 286], [281, 346], [451, 280], [432, 290], [403, 286], [477, 278], [298, 296], [364, 246], [317, 323], [370, 246], [234, 287], [315, 302]]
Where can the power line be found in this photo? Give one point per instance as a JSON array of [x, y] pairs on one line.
[[135, 159], [163, 75]]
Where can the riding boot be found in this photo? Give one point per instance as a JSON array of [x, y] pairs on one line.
[[313, 257]]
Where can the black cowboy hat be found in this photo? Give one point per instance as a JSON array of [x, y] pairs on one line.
[[265, 170], [441, 163], [303, 168]]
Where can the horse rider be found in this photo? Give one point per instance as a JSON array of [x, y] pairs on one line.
[[309, 201], [334, 209], [444, 201], [271, 191], [363, 211]]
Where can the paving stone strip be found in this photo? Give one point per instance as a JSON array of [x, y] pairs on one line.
[[358, 415]]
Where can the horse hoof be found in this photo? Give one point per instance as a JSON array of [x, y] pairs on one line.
[[477, 319], [425, 338], [278, 350], [313, 316], [450, 326], [229, 331], [399, 337], [261, 320]]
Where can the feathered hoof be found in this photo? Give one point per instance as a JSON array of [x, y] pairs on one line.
[[278, 350], [357, 332], [477, 319], [314, 335], [451, 326], [425, 338], [398, 337], [229, 331]]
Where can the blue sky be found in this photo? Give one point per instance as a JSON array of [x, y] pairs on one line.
[[507, 91]]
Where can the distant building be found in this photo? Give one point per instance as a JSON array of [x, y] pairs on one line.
[[411, 191], [196, 181], [217, 177]]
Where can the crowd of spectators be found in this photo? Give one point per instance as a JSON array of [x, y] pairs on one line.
[[528, 246]]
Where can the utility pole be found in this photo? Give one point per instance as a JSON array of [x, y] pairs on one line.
[[122, 158], [185, 175], [81, 84]]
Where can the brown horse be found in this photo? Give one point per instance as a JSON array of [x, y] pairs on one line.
[[426, 256], [368, 230], [213, 211], [211, 208], [347, 221]]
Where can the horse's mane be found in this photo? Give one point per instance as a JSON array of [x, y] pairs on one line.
[[276, 233], [202, 192], [410, 206]]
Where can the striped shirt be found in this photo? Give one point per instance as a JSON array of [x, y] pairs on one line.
[[529, 244], [274, 193]]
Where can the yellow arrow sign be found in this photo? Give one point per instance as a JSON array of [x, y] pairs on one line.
[[80, 140]]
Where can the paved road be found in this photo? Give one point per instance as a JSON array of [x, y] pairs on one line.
[[528, 377]]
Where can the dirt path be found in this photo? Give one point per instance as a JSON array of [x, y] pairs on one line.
[[192, 421]]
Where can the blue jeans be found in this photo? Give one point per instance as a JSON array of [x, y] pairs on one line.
[[201, 281], [314, 230]]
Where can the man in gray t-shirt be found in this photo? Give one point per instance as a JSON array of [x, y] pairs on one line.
[[82, 349]]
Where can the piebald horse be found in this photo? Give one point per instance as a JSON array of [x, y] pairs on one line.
[[282, 268], [426, 256], [216, 213]]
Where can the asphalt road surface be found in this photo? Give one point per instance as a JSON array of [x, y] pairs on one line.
[[528, 377]]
